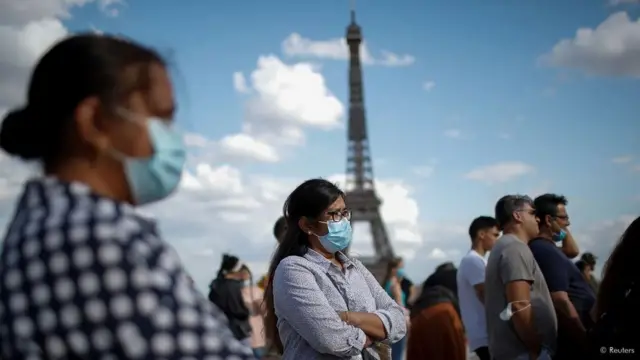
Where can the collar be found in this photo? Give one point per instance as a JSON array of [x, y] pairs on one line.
[[317, 258]]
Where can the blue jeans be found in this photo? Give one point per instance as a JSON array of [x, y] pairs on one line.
[[397, 349]]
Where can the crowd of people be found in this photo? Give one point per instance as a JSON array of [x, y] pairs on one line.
[[84, 276]]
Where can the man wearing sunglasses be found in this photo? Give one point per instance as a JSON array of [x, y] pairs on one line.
[[571, 294]]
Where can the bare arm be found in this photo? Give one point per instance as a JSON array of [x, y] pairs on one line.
[[568, 316], [569, 246], [523, 314]]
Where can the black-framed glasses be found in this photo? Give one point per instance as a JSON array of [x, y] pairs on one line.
[[338, 215], [562, 217]]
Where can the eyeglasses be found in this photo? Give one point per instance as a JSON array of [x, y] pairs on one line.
[[528, 211], [562, 217], [338, 215]]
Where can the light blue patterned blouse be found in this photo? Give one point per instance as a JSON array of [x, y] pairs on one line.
[[309, 292]]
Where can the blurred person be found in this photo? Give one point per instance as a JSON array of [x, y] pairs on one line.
[[393, 286], [616, 312], [226, 292], [590, 260], [321, 303], [572, 296], [82, 274], [280, 228], [436, 331], [584, 269], [252, 296], [262, 282], [521, 321], [483, 232]]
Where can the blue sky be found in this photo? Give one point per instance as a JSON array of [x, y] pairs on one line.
[[492, 99]]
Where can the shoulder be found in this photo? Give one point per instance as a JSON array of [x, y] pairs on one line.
[[543, 247], [292, 267], [512, 248], [471, 259]]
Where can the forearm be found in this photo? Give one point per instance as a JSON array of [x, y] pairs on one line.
[[367, 322], [523, 324], [569, 319], [570, 247]]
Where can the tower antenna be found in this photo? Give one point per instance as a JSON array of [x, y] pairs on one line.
[[353, 11]]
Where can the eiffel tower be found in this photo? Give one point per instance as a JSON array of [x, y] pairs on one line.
[[361, 195]]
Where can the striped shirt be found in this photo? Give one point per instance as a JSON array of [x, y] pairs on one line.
[[309, 292], [84, 277]]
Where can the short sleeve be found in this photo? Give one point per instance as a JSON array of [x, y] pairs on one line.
[[473, 270], [516, 263]]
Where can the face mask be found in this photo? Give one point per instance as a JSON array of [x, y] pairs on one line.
[[339, 236], [400, 273], [559, 237], [508, 312], [154, 178]]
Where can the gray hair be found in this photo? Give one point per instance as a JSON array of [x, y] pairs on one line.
[[507, 205]]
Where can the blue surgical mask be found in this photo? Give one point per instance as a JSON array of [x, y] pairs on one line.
[[338, 237], [559, 236], [400, 273], [156, 177]]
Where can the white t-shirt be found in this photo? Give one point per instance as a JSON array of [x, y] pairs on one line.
[[470, 273]]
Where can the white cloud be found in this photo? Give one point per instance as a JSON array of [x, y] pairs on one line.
[[285, 100], [500, 172], [400, 212], [429, 85], [623, 2], [27, 29], [336, 49], [239, 82], [611, 49], [622, 159], [453, 133]]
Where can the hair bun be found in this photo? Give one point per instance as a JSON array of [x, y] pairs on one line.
[[19, 137]]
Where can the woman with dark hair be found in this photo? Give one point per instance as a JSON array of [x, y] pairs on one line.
[[82, 275], [616, 312], [226, 292], [319, 302], [436, 328]]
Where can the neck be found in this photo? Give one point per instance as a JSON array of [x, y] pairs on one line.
[[545, 234], [86, 173], [478, 248], [320, 250]]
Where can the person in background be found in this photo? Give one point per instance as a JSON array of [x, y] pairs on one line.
[[226, 292], [280, 228], [82, 274], [252, 296], [470, 283], [436, 332], [572, 296], [321, 303], [585, 270], [515, 291], [262, 282], [393, 286], [617, 309], [590, 261]]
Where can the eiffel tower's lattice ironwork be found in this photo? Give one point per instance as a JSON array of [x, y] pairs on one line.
[[361, 194]]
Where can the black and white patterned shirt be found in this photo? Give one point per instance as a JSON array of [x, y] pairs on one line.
[[84, 277]]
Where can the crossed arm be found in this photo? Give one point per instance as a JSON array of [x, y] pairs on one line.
[[300, 301]]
